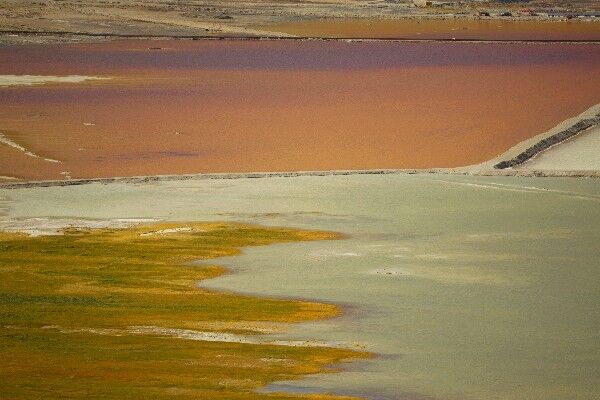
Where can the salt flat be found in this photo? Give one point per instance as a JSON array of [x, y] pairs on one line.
[[579, 153], [467, 287]]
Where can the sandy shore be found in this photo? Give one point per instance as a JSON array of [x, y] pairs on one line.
[[578, 153], [519, 155], [25, 21]]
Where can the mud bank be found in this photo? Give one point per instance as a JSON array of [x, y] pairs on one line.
[[550, 141], [256, 175], [515, 160]]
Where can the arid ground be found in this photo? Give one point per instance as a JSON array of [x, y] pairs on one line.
[[439, 29], [35, 21]]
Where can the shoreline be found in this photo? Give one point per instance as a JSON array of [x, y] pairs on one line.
[[526, 150], [296, 174], [107, 36], [550, 141]]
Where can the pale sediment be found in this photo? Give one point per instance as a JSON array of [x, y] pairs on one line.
[[203, 336], [255, 175], [31, 80], [514, 160], [44, 226], [9, 142], [578, 153], [550, 141]]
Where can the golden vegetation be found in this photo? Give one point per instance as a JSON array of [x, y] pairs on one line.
[[69, 305]]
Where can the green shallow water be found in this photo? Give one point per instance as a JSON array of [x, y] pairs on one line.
[[466, 287]]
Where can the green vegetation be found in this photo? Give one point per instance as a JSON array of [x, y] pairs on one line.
[[69, 305]]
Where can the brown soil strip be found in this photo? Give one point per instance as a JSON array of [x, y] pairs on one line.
[[439, 29], [276, 36], [259, 175]]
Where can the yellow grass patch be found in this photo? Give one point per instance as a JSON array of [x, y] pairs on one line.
[[69, 304]]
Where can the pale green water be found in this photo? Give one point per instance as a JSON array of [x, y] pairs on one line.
[[488, 288]]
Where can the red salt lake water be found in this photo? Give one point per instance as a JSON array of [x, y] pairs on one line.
[[238, 106]]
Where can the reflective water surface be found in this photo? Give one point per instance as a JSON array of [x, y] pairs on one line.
[[173, 107]]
